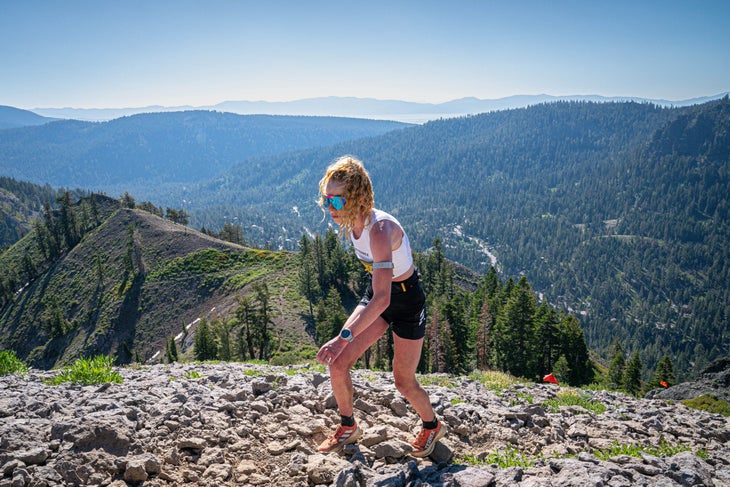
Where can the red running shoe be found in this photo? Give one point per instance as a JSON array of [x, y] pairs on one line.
[[426, 440], [343, 435]]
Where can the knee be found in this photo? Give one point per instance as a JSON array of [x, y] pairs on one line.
[[406, 385], [339, 368]]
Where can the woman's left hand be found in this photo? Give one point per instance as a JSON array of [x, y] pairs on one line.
[[331, 350]]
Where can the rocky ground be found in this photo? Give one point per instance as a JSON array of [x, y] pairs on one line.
[[239, 424], [713, 380]]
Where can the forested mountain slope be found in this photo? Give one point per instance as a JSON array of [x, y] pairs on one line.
[[20, 204], [138, 153], [122, 282], [617, 211]]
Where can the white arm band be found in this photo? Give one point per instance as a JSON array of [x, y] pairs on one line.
[[383, 265]]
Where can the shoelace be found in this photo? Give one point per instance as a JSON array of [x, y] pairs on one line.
[[338, 432]]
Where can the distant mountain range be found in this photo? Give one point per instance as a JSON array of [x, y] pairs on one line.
[[11, 117], [403, 111], [154, 148]]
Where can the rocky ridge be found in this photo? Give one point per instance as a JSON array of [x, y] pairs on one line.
[[241, 424]]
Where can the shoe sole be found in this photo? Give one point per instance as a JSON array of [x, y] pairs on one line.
[[352, 439], [423, 454]]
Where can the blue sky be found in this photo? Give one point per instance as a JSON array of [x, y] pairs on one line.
[[129, 53]]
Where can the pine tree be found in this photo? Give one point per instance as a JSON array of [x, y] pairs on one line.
[[436, 359], [331, 315], [561, 369], [484, 337], [319, 257], [261, 331], [127, 201], [245, 316], [307, 279], [205, 347], [53, 319], [573, 346], [52, 234], [518, 332], [448, 350], [632, 375], [222, 333], [456, 312], [171, 350], [241, 344], [664, 373], [547, 339], [336, 259], [616, 369], [68, 221]]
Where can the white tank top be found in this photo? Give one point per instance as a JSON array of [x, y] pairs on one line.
[[402, 257]]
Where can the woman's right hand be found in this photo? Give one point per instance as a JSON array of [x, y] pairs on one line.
[[331, 350]]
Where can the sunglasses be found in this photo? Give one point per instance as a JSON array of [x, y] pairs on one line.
[[337, 202]]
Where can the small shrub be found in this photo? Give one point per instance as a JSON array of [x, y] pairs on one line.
[[292, 357], [663, 450], [527, 397], [193, 374], [503, 459], [441, 380], [494, 380], [11, 364], [95, 370], [710, 404], [572, 398]]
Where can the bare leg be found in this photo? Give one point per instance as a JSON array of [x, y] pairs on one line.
[[340, 368], [406, 356]]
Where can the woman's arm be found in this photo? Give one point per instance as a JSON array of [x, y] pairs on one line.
[[383, 236]]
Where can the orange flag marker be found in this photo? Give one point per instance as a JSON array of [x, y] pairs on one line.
[[550, 378]]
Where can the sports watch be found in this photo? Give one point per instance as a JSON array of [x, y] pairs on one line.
[[346, 335]]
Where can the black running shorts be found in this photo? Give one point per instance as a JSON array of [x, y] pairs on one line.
[[407, 310]]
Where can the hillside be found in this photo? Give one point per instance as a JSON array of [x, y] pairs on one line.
[[242, 424], [132, 283], [138, 153]]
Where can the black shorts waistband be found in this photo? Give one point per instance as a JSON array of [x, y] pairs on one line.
[[404, 286]]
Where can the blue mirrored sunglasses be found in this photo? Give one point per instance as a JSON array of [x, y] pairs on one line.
[[337, 202]]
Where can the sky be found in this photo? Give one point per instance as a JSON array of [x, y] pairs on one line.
[[130, 53]]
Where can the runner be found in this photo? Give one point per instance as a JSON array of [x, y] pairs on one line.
[[394, 297]]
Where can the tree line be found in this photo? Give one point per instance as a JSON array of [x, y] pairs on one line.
[[61, 225], [247, 335], [496, 325]]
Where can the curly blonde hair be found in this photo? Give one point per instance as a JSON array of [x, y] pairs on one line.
[[359, 196]]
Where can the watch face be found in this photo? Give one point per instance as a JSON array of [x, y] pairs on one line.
[[346, 335]]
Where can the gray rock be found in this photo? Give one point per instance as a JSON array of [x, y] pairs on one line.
[[231, 427], [473, 477], [135, 471]]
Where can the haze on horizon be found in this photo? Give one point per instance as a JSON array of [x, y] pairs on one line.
[[107, 54]]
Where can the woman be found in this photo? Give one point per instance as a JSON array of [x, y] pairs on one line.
[[393, 297]]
